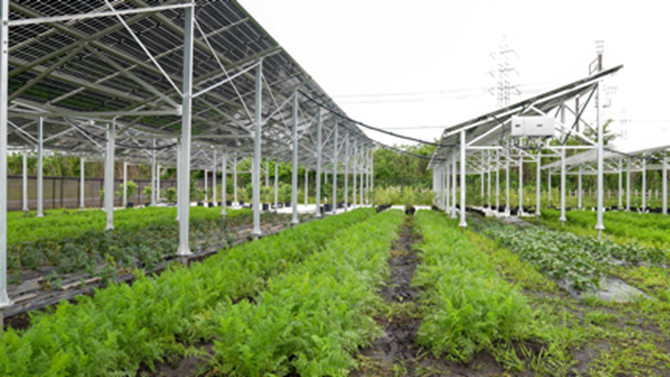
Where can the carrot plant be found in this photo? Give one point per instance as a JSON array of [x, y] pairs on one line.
[[468, 306], [123, 326], [310, 321]]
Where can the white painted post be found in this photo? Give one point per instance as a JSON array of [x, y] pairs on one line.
[[214, 179], [125, 183], [601, 166], [40, 167], [294, 170], [184, 170], [82, 186], [25, 181], [256, 176], [109, 175], [463, 224], [318, 165], [334, 198], [224, 188], [4, 119], [665, 184]]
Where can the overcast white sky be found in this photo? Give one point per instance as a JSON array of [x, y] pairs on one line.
[[436, 55]]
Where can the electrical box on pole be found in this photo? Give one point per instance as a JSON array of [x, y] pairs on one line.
[[533, 126]]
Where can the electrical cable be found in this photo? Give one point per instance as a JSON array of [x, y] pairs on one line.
[[321, 105]]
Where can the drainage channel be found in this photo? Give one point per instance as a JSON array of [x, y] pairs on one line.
[[396, 351]]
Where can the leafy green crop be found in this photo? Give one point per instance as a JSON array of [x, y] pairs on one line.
[[583, 260], [123, 326], [468, 306], [309, 321]]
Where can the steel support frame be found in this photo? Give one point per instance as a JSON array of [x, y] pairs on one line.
[[183, 171], [294, 171], [82, 182], [463, 223], [40, 166], [109, 174], [4, 121], [319, 148], [224, 188], [334, 197]]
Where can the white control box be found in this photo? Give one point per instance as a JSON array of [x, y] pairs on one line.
[[533, 126]]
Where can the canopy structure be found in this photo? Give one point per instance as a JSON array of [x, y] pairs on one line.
[[196, 84], [82, 64], [485, 144]]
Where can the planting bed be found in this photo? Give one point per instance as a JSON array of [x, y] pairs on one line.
[[122, 326], [74, 263]]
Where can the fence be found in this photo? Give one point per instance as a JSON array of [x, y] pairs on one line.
[[64, 192]]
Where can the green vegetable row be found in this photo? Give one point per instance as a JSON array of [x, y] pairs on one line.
[[310, 321], [142, 242], [650, 228], [583, 260], [59, 224], [468, 307], [123, 326]]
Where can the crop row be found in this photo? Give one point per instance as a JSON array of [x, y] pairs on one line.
[[647, 228], [142, 242], [582, 260], [468, 306], [310, 320], [58, 224], [122, 326]]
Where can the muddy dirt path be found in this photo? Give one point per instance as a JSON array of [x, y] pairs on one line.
[[396, 351]]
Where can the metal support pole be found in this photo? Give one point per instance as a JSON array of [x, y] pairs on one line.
[[538, 185], [369, 196], [214, 179], [665, 184], [294, 172], [563, 219], [267, 173], [354, 168], [447, 186], [601, 165], [334, 198], [184, 172], [206, 186], [498, 180], [125, 183], [628, 192], [372, 175], [224, 188], [620, 184], [488, 169], [453, 185], [158, 183], [579, 188], [154, 174], [40, 162], [256, 176], [644, 182], [346, 171], [319, 146], [520, 183], [235, 201], [362, 177], [276, 184], [4, 119], [109, 175], [463, 224], [82, 186], [549, 187], [25, 181]]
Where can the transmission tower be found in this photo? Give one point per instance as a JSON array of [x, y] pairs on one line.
[[503, 89]]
